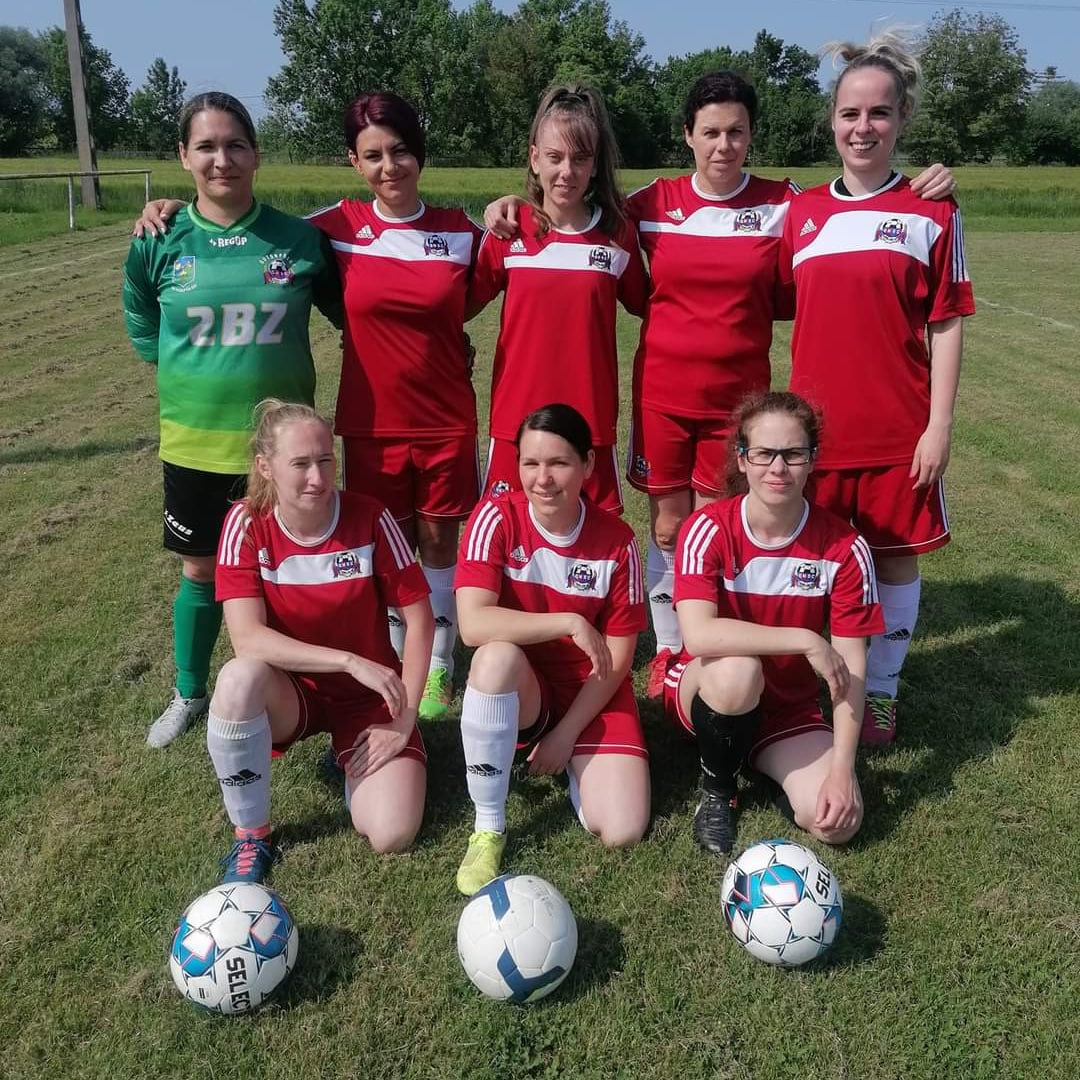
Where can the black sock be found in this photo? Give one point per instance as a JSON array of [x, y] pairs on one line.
[[722, 741]]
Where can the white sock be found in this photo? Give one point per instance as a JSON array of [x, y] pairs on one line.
[[575, 798], [489, 726], [441, 582], [397, 631], [660, 579], [900, 606], [240, 751]]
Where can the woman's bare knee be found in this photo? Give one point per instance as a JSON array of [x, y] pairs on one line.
[[497, 667]]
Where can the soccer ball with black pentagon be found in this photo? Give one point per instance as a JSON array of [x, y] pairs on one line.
[[517, 938], [233, 948], [782, 904]]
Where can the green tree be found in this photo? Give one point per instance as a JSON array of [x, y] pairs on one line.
[[155, 109], [340, 48], [1052, 130], [975, 90], [107, 89], [23, 98]]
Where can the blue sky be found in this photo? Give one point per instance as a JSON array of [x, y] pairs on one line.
[[230, 44]]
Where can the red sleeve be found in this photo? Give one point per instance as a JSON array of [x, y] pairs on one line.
[[401, 581], [699, 560], [854, 610], [482, 554], [634, 282], [236, 573], [952, 291], [489, 273], [625, 612]]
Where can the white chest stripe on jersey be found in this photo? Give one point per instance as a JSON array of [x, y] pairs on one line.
[[411, 245], [327, 568], [565, 574], [860, 230], [723, 222], [769, 575], [597, 258]]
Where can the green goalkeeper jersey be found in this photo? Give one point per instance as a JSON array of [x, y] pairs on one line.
[[224, 312]]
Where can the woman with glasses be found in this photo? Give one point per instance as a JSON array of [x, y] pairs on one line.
[[759, 578]]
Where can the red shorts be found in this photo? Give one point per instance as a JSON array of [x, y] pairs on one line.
[[774, 725], [428, 477], [616, 729], [668, 454], [603, 487], [344, 720], [894, 518]]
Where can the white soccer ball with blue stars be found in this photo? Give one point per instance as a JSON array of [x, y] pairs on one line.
[[233, 947], [517, 938], [782, 904]]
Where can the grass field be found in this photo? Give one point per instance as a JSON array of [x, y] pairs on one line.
[[961, 944]]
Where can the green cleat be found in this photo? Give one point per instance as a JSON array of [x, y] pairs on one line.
[[481, 862], [438, 693]]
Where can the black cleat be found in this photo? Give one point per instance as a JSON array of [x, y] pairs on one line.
[[714, 823]]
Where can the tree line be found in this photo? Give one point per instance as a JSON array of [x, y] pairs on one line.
[[475, 75]]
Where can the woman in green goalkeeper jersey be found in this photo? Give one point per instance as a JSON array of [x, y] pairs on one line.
[[221, 307]]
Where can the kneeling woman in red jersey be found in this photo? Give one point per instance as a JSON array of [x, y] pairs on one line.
[[758, 579], [306, 574], [549, 591]]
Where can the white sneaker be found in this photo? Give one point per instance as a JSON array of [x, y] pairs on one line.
[[178, 716]]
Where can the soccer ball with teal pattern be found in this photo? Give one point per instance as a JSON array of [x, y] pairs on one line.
[[781, 903]]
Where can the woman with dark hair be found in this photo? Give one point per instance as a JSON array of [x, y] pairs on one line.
[[575, 260], [758, 579], [549, 593], [885, 384], [221, 308], [306, 574], [406, 410]]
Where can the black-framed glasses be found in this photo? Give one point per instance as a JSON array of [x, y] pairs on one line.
[[766, 455]]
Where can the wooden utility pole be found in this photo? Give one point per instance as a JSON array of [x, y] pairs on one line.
[[84, 137]]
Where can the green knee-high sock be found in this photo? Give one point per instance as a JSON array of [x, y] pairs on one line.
[[196, 622]]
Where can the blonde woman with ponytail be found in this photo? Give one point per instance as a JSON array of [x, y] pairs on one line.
[[306, 574], [882, 287]]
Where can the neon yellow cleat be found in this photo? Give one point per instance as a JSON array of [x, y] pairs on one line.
[[482, 861], [438, 693]]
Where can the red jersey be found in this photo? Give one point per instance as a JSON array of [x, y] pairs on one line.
[[821, 577], [333, 591], [404, 370], [557, 334], [715, 292], [594, 572], [870, 272]]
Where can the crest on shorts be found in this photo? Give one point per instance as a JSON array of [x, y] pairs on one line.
[[639, 465], [582, 578], [600, 258], [183, 273], [500, 487], [436, 245], [806, 577], [346, 564], [277, 269], [748, 221], [892, 231]]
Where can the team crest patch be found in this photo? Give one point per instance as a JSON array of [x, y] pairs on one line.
[[748, 221], [436, 245], [277, 269], [346, 565], [600, 258], [500, 487], [183, 273], [582, 578], [640, 466], [806, 577], [892, 231]]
